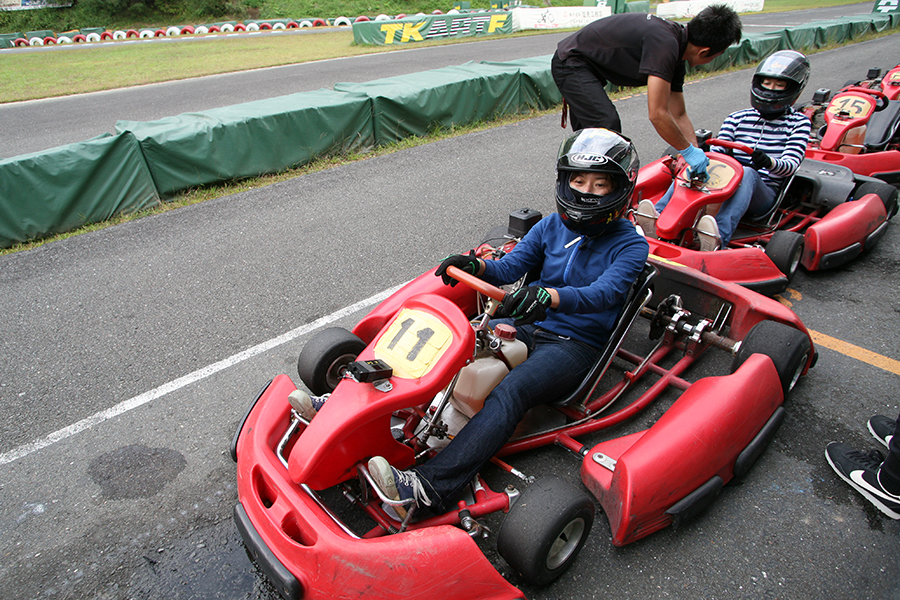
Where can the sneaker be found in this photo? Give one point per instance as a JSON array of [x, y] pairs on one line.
[[708, 231], [305, 405], [397, 485], [862, 471], [646, 216], [883, 429]]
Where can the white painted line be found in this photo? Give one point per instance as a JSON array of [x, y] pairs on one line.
[[140, 400]]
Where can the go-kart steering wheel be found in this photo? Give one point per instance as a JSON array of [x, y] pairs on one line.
[[730, 145], [881, 100], [477, 284]]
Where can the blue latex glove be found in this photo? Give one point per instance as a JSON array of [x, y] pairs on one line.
[[697, 161]]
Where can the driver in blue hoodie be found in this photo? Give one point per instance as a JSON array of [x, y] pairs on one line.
[[588, 257]]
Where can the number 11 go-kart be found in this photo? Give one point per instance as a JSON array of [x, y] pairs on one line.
[[825, 216], [403, 382]]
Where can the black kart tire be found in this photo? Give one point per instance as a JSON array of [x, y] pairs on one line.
[[545, 529], [324, 358], [888, 194], [788, 348], [785, 249]]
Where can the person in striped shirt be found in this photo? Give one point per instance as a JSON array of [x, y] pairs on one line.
[[776, 133]]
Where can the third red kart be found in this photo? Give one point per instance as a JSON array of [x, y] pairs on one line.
[[859, 128], [400, 381], [825, 216]]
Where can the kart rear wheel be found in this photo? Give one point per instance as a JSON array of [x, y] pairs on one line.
[[545, 529], [785, 250], [883, 190], [323, 359], [788, 348]]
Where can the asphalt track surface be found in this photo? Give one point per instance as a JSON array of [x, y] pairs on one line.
[[128, 356]]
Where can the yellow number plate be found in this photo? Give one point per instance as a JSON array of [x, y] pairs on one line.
[[719, 174], [855, 106], [414, 343]]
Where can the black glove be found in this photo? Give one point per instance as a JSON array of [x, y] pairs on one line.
[[466, 262], [526, 305], [760, 160]]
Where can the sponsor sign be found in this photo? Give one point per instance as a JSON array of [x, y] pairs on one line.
[[27, 4], [886, 6], [419, 29], [563, 17]]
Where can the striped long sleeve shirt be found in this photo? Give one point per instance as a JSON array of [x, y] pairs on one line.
[[783, 139]]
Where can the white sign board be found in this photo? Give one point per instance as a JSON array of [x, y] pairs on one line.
[[562, 17], [686, 9]]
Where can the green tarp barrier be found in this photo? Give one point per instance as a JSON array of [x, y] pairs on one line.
[[418, 29], [537, 89], [754, 47], [7, 39], [64, 188], [251, 139], [411, 105]]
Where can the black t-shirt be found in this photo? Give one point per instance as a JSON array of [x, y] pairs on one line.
[[625, 49]]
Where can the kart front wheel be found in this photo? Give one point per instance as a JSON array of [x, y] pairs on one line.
[[325, 357], [545, 529], [785, 250], [788, 348]]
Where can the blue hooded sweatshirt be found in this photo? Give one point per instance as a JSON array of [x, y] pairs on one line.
[[592, 275]]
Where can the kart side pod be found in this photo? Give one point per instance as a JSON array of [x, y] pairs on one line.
[[639, 478], [844, 233]]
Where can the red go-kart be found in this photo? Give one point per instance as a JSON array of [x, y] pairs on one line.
[[318, 527], [859, 127], [825, 216]]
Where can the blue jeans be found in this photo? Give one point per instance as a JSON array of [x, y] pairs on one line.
[[554, 367], [752, 197]]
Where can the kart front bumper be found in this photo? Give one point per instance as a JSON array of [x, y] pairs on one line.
[[307, 553]]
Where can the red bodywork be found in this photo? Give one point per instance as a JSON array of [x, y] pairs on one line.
[[858, 125], [307, 551]]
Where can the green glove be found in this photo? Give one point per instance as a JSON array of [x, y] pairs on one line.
[[526, 305], [465, 262]]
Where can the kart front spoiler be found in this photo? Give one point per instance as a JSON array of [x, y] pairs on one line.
[[308, 553]]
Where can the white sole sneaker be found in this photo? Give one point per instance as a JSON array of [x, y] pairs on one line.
[[708, 231], [302, 404], [646, 216]]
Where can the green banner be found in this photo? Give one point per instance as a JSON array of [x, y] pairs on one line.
[[419, 29]]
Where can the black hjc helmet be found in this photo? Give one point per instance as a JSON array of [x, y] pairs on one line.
[[786, 65], [596, 151]]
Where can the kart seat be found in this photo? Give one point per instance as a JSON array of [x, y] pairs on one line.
[[636, 299], [882, 127], [779, 200]]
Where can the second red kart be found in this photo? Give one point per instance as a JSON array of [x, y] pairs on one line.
[[825, 216], [318, 527]]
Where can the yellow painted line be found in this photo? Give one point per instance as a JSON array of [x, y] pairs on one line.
[[867, 356]]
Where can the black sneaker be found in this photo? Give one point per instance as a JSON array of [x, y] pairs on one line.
[[882, 428], [861, 470], [305, 405], [397, 485]]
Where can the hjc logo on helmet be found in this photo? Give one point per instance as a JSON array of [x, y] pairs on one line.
[[581, 157]]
